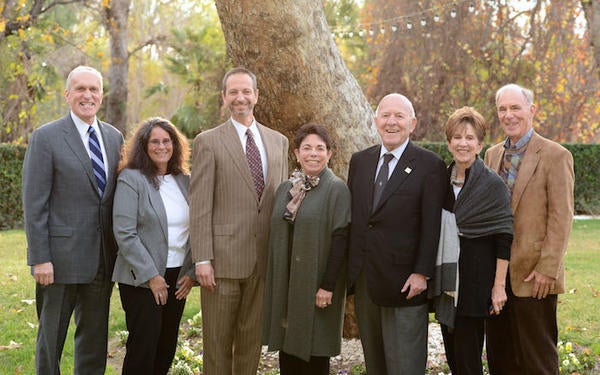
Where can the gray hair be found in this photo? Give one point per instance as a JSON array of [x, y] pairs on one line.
[[83, 68], [527, 94]]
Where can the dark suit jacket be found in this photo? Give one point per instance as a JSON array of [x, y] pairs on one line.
[[66, 221], [400, 236]]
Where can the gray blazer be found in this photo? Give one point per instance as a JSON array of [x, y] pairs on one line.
[[140, 228], [66, 221]]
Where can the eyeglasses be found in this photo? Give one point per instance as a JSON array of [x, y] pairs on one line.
[[157, 142]]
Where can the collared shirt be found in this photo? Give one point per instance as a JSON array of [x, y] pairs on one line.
[[241, 130], [521, 142], [82, 128], [397, 152]]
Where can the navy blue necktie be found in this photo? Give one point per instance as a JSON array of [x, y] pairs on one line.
[[97, 160]]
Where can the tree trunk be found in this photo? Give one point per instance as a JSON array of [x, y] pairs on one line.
[[591, 8], [301, 76], [117, 14]]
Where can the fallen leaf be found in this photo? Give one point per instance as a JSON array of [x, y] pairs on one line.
[[12, 345], [28, 301]]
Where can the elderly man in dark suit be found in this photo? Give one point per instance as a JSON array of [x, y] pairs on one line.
[[397, 193], [68, 187], [236, 168]]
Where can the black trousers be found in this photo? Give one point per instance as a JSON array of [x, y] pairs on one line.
[[292, 365], [153, 329], [464, 345], [522, 340]]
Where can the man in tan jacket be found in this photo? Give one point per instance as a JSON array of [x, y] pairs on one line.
[[236, 168], [539, 175]]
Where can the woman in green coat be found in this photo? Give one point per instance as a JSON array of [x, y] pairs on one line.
[[305, 283]]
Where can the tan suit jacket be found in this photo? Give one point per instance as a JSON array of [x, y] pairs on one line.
[[542, 204], [228, 224]]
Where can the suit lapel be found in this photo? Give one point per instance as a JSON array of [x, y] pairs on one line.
[[526, 169], [270, 150], [111, 147], [403, 169], [371, 163], [231, 142], [158, 207], [180, 179], [73, 140], [496, 158]]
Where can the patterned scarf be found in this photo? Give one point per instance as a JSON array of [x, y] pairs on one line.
[[301, 183]]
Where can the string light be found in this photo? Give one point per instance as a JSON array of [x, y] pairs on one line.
[[434, 14]]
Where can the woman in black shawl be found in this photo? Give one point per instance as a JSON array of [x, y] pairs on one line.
[[480, 204]]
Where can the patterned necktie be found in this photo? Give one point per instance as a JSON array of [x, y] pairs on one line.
[[253, 157], [382, 178], [97, 160]]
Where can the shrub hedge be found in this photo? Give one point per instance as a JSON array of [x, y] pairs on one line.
[[11, 162], [586, 158]]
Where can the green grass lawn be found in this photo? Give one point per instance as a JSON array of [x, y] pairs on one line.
[[577, 310], [18, 320]]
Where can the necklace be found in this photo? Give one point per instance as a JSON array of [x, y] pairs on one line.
[[455, 181]]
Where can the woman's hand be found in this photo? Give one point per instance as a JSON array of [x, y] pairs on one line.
[[159, 288], [184, 286], [323, 298], [498, 298]]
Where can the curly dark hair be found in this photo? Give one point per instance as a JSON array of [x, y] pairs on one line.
[[136, 150]]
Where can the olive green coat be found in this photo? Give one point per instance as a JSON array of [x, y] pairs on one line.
[[291, 321]]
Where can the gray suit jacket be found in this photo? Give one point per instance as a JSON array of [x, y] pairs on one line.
[[228, 224], [66, 221], [140, 227]]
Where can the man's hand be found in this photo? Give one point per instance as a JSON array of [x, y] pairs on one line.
[[542, 284], [43, 273], [205, 274], [415, 284]]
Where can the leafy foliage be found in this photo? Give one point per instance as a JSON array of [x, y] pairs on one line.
[[11, 161]]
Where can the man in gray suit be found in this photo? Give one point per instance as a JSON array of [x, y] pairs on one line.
[[236, 168], [68, 186]]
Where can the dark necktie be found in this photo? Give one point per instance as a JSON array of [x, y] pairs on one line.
[[97, 160], [382, 178], [253, 157]]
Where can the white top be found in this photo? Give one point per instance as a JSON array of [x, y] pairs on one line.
[[178, 220], [82, 128], [241, 130], [397, 152]]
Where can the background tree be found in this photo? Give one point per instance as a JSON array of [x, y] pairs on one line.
[[116, 17], [592, 16], [302, 78]]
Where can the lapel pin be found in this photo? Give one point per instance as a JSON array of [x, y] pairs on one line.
[[407, 170]]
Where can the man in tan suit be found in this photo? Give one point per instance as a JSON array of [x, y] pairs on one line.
[[539, 175], [237, 167]]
